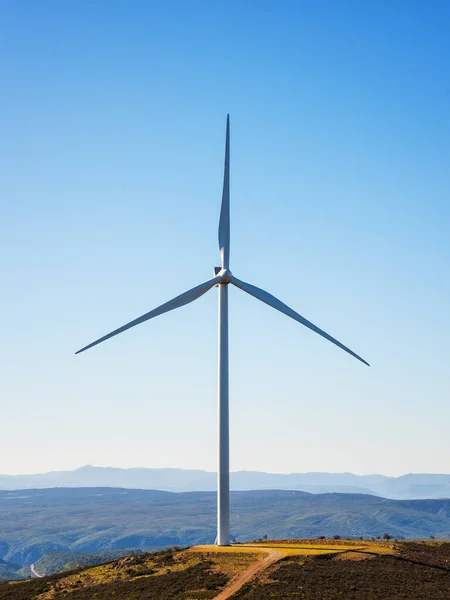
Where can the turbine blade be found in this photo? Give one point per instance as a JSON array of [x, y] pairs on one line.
[[180, 300], [278, 305], [224, 222]]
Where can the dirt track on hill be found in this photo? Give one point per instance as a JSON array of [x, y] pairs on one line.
[[255, 568], [33, 570]]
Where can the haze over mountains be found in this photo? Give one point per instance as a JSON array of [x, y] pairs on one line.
[[411, 486], [36, 522]]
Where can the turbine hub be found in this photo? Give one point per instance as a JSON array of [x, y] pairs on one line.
[[225, 274]]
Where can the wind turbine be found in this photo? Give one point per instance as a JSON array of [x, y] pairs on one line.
[[223, 277]]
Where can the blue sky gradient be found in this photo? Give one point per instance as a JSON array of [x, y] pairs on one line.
[[113, 129]]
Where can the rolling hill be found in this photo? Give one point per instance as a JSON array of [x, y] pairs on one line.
[[37, 522], [299, 570]]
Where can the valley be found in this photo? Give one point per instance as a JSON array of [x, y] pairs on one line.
[[64, 527]]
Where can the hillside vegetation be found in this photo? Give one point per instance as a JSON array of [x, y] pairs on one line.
[[299, 570], [146, 577], [412, 570], [85, 520], [55, 562]]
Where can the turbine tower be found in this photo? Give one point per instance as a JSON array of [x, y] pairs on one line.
[[223, 277]]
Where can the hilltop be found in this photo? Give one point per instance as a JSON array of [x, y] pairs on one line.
[[92, 520], [411, 486], [301, 569]]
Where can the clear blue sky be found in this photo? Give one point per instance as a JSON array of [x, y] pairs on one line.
[[112, 128]]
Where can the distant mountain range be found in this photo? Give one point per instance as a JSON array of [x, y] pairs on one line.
[[412, 486], [36, 522]]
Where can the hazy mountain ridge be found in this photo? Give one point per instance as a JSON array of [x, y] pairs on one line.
[[414, 485], [35, 522]]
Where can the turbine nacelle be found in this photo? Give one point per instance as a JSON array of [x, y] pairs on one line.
[[224, 274]]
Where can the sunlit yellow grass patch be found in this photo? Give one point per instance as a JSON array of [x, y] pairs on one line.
[[353, 556], [285, 549], [227, 549], [291, 549], [305, 548], [323, 546], [119, 570]]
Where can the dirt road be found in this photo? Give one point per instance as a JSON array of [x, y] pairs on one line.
[[255, 568], [273, 551], [33, 570]]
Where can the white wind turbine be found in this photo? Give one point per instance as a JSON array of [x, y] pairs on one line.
[[223, 277]]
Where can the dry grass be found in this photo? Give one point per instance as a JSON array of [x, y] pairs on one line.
[[302, 547], [410, 571], [244, 549], [202, 572], [231, 563], [124, 569], [354, 556], [299, 550]]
